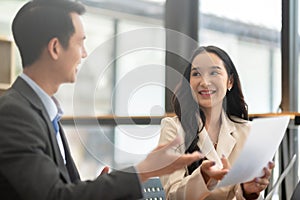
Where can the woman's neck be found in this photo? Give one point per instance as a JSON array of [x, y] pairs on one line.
[[213, 116], [213, 123]]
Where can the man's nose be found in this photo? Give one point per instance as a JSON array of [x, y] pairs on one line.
[[84, 52]]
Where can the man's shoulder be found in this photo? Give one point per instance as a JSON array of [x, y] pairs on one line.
[[13, 101], [10, 96]]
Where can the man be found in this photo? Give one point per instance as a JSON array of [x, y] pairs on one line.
[[35, 161]]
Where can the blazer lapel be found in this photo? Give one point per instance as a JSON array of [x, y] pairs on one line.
[[207, 148], [226, 140]]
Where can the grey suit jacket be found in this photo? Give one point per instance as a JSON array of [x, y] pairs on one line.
[[31, 166]]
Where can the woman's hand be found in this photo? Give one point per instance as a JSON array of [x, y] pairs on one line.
[[210, 171], [258, 184]]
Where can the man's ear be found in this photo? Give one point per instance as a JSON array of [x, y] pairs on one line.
[[54, 48]]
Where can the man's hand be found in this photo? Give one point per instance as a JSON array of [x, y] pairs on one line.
[[162, 161], [105, 170]]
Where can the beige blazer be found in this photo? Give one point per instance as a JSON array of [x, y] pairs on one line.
[[178, 185]]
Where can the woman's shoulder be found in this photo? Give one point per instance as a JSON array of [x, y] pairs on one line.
[[171, 123], [170, 128], [170, 120], [239, 120], [241, 124]]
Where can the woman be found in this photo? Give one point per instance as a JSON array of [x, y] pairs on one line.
[[211, 116]]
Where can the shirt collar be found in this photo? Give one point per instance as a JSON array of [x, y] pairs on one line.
[[51, 103]]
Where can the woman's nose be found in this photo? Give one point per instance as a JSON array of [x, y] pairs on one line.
[[204, 81]]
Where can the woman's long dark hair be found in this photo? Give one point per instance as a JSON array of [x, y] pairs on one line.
[[188, 111]]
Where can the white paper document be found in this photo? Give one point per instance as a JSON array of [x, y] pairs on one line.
[[262, 143]]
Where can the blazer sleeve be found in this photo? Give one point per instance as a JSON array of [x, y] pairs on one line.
[[177, 185], [180, 186], [28, 170]]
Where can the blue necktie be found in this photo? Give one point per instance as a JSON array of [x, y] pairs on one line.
[[55, 123], [58, 137]]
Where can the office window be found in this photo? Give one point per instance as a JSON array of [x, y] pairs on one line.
[[252, 41], [140, 72], [139, 87], [8, 9]]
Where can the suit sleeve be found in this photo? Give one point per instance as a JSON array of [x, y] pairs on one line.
[[122, 184], [27, 169]]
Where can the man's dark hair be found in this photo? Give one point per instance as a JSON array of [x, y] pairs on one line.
[[38, 21]]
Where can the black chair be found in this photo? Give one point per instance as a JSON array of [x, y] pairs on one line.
[[153, 190]]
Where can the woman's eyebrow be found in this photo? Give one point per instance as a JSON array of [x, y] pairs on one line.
[[211, 67], [216, 67]]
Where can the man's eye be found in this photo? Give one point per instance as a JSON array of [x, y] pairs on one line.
[[196, 74]]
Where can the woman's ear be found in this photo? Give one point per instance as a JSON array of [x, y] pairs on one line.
[[54, 48], [230, 82]]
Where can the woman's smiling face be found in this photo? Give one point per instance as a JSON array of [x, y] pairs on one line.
[[209, 80]]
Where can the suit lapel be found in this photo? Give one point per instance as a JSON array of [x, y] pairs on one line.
[[56, 151], [25, 90], [72, 170]]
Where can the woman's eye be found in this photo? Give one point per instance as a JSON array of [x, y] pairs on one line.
[[214, 73]]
